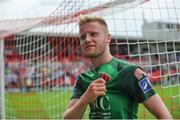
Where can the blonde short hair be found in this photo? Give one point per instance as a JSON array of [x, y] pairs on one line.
[[86, 19]]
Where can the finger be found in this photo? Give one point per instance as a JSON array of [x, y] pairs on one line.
[[98, 84], [100, 80], [98, 93], [100, 88]]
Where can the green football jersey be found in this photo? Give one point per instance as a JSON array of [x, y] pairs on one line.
[[124, 90]]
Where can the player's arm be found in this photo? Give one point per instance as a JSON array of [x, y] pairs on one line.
[[77, 107], [154, 104]]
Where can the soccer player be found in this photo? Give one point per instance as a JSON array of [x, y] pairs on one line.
[[113, 88]]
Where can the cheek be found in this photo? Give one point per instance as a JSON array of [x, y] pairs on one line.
[[81, 44], [102, 41]]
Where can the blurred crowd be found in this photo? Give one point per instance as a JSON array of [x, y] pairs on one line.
[[18, 75], [45, 74], [161, 69], [42, 75]]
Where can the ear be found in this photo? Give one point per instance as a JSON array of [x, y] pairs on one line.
[[108, 38]]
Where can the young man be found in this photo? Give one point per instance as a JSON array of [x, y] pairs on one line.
[[113, 88]]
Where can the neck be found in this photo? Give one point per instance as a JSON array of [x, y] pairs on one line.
[[100, 60]]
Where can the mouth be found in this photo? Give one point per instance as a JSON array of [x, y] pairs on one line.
[[89, 46]]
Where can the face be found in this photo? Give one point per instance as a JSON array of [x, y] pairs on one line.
[[94, 39]]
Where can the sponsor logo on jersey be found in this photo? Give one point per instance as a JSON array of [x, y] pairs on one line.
[[102, 108], [145, 85], [105, 76], [102, 103]]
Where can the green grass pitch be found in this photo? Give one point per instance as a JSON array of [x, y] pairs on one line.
[[52, 104]]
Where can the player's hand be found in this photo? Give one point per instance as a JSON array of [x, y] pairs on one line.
[[95, 89]]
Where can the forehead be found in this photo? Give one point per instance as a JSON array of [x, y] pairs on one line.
[[92, 26]]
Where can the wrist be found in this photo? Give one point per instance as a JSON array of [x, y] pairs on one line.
[[83, 100]]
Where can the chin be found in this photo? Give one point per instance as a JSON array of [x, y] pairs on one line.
[[91, 55]]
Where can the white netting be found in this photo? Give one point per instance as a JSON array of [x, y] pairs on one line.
[[43, 57]]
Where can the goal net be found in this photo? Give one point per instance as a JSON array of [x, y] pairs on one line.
[[42, 57]]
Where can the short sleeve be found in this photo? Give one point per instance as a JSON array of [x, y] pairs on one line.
[[139, 90], [78, 89]]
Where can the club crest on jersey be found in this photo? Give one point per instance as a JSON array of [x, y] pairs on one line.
[[145, 85], [105, 76]]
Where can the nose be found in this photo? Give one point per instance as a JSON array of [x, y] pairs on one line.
[[88, 38]]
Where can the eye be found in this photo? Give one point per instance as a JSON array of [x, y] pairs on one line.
[[93, 34], [82, 37]]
